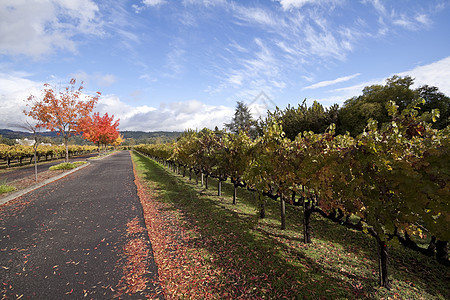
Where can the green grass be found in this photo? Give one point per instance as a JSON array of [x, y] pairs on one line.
[[339, 264], [4, 188], [67, 165]]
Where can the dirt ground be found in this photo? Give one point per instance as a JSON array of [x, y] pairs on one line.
[[28, 181]]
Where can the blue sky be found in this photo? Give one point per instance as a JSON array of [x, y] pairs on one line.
[[173, 65]]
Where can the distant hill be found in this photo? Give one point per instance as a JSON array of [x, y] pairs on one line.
[[11, 134], [152, 134], [138, 136]]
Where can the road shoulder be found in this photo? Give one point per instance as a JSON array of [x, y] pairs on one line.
[[13, 195]]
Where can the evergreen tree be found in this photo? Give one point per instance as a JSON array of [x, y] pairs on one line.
[[242, 120]]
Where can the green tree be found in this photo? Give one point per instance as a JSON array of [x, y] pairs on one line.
[[6, 141], [356, 111], [242, 120], [302, 118], [435, 100]]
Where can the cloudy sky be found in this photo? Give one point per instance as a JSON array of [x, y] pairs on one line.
[[173, 64]]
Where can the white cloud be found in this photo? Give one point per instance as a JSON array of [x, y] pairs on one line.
[[174, 62], [293, 51], [331, 82], [172, 116], [36, 28], [403, 21], [423, 19], [114, 106], [434, 74], [324, 44], [176, 116], [260, 71], [290, 40], [355, 90], [255, 15], [408, 17], [236, 79], [379, 7], [147, 3], [102, 80], [412, 22], [15, 88], [106, 79], [290, 4], [206, 3], [153, 2], [236, 46]]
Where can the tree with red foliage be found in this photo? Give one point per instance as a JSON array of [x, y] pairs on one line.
[[100, 129], [62, 110]]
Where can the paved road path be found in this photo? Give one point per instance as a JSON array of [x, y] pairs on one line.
[[65, 240]]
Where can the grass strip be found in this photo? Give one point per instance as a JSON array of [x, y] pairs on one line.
[[67, 165], [4, 188], [253, 258]]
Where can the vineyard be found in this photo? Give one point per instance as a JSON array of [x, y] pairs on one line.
[[19, 154], [390, 182]]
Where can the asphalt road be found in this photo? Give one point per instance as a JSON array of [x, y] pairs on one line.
[[66, 240]]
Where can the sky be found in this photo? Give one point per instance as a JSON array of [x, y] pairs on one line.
[[174, 65]]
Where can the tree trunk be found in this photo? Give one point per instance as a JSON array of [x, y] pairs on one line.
[[66, 144], [219, 188], [202, 179], [206, 182], [234, 192], [262, 206], [35, 167], [283, 212], [190, 174], [383, 257], [432, 246], [442, 252], [307, 212]]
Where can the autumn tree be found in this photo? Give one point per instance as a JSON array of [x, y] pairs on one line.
[[102, 130], [61, 110], [119, 140]]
